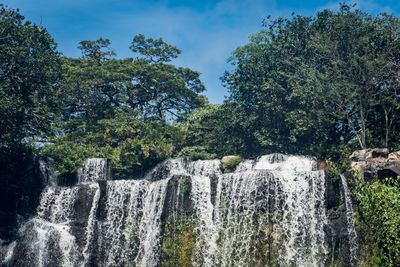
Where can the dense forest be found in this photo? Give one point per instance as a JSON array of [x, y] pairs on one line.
[[324, 86]]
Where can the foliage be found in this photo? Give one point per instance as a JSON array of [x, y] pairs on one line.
[[134, 146], [29, 69], [214, 131], [178, 244], [122, 108], [312, 84], [196, 153], [67, 158], [321, 85], [379, 204]]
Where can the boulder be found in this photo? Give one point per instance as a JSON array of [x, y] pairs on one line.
[[378, 153], [376, 163], [323, 165], [370, 154], [394, 156], [229, 163], [226, 159]]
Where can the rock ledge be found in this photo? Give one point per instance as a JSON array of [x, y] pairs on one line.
[[376, 163]]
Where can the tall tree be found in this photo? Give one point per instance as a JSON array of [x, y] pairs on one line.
[[29, 71], [309, 84], [123, 108]]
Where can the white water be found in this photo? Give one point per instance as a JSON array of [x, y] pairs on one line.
[[91, 223], [351, 230], [289, 192], [94, 169], [276, 198]]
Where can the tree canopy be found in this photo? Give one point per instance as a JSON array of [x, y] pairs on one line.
[[310, 84], [122, 108]]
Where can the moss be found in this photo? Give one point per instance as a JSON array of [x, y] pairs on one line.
[[334, 169], [179, 241], [232, 162], [379, 218], [184, 185], [370, 256]]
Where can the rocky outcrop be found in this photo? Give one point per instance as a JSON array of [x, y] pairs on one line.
[[376, 163], [229, 163], [23, 175]]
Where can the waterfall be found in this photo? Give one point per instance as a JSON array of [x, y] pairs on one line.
[[270, 211], [91, 224], [351, 230], [283, 201], [94, 169]]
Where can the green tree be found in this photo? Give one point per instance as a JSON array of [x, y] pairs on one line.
[[312, 84], [123, 108], [214, 131], [29, 71]]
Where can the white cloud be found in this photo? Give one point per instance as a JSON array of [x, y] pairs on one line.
[[207, 36]]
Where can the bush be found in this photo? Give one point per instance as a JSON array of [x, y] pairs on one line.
[[379, 205], [196, 153]]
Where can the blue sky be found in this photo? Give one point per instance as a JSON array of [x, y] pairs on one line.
[[206, 31]]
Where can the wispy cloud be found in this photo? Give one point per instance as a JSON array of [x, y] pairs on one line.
[[206, 31]]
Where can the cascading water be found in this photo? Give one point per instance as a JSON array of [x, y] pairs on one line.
[[351, 231], [277, 203], [270, 211]]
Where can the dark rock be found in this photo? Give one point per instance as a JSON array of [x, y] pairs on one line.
[[163, 169], [276, 158], [337, 237], [379, 153], [67, 179], [178, 201], [213, 185], [369, 153], [332, 191], [101, 211], [21, 183], [391, 171], [82, 209]]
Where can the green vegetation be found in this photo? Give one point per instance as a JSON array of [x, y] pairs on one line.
[[312, 85], [213, 131], [122, 109], [380, 212], [178, 244], [232, 162], [29, 68]]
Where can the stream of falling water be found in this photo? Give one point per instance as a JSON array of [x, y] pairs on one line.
[[351, 230], [271, 209], [284, 197]]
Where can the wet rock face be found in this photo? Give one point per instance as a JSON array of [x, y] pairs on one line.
[[23, 176], [177, 198], [376, 163]]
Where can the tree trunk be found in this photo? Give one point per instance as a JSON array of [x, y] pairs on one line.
[[386, 129], [362, 115]]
